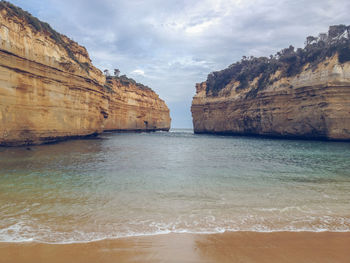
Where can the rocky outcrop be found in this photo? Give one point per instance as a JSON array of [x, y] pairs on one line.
[[293, 95], [49, 89], [135, 107]]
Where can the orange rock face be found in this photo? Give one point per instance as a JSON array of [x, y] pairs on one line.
[[314, 104], [134, 107], [49, 90]]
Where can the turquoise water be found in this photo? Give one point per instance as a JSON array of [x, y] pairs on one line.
[[150, 183]]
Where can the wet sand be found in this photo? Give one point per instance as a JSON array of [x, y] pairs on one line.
[[242, 247]]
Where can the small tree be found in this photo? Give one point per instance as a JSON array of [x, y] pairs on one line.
[[310, 40], [116, 72], [323, 37], [106, 72]]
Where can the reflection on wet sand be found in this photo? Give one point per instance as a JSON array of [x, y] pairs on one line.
[[301, 247]]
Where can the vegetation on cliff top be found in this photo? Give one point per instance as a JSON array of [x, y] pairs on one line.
[[42, 27], [128, 81], [289, 61], [123, 79]]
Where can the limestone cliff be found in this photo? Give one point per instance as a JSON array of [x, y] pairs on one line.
[[49, 89], [296, 94], [133, 106]]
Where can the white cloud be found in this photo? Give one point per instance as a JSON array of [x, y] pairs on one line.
[[138, 72], [170, 45], [199, 28]]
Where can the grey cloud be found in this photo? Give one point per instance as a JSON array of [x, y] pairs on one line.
[[177, 43]]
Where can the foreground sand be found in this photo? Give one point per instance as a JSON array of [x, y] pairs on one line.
[[242, 247]]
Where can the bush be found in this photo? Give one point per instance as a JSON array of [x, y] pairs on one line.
[[41, 27], [123, 79], [288, 61], [344, 54]]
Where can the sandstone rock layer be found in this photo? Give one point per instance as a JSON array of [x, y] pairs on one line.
[[49, 89], [135, 107], [314, 104]]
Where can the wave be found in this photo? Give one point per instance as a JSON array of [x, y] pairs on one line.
[[23, 233]]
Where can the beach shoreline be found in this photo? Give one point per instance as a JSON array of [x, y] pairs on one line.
[[226, 247]]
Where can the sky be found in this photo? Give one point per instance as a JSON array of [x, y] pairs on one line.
[[170, 45]]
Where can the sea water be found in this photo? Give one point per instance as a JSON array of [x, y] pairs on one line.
[[131, 184]]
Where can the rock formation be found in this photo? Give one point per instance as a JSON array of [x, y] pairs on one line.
[[49, 89], [133, 106], [294, 94]]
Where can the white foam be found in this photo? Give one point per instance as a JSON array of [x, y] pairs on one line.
[[21, 232], [16, 233]]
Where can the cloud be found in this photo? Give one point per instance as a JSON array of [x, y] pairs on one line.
[[170, 45], [138, 72]]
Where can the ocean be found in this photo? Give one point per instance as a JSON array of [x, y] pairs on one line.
[[135, 184]]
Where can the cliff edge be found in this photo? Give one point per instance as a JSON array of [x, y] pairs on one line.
[[303, 93], [49, 89], [133, 106]]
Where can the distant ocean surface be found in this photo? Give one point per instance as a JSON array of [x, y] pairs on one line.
[[131, 184]]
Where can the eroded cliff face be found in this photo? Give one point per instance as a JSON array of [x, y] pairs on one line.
[[302, 94], [135, 107], [49, 90], [314, 104]]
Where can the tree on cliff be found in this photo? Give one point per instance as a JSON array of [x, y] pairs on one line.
[[116, 72], [310, 40], [106, 72], [288, 61]]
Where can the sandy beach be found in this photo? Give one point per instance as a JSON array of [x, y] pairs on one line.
[[243, 247]]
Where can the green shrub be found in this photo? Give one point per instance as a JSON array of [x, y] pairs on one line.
[[41, 27], [344, 54], [288, 61]]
